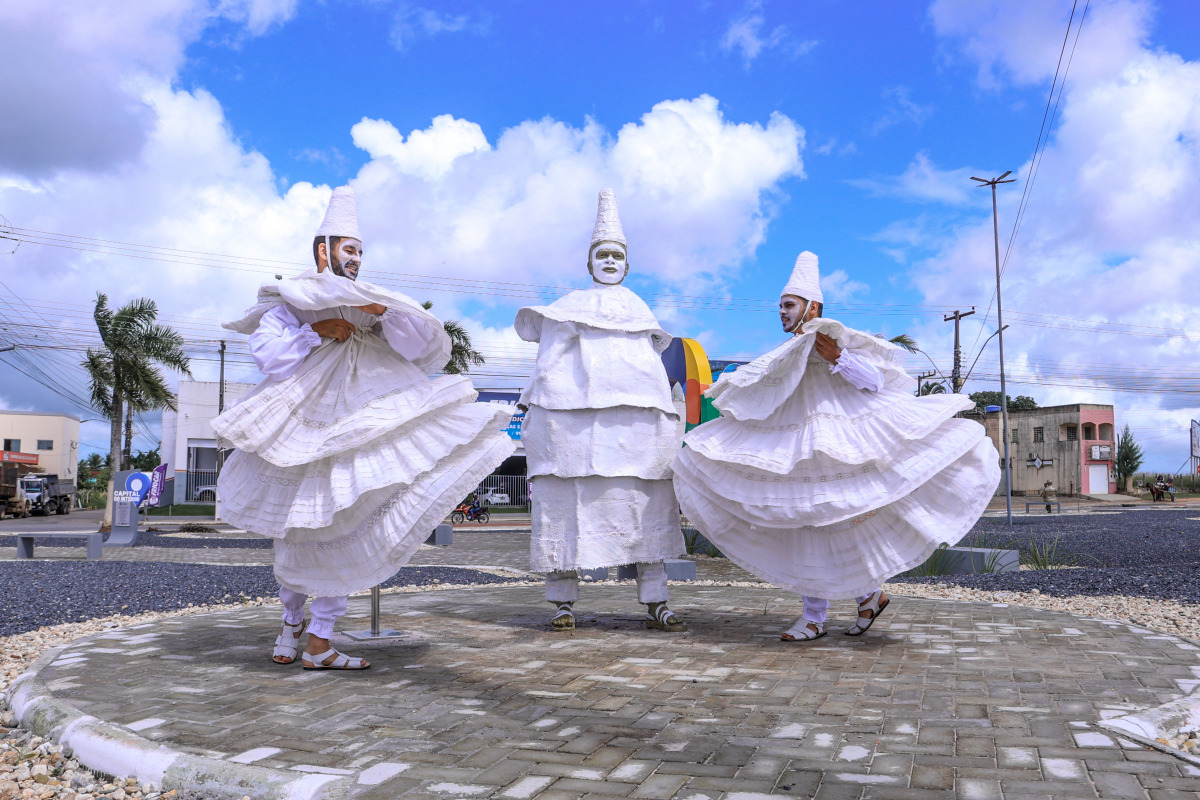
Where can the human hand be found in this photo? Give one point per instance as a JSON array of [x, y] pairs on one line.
[[827, 348], [373, 308], [338, 329]]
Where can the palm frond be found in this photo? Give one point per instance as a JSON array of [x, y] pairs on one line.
[[905, 341]]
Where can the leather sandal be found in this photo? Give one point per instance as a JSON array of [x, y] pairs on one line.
[[287, 643], [872, 604], [341, 661], [803, 631], [563, 619]]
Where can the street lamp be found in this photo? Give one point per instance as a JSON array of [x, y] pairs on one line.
[[1000, 325], [981, 349]]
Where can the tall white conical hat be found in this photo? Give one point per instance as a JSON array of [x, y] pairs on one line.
[[608, 222], [806, 278], [341, 218]]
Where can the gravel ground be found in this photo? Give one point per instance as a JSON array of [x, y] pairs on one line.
[[1151, 554], [51, 592], [165, 538]]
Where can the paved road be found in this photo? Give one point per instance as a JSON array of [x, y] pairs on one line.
[[479, 699], [75, 521]]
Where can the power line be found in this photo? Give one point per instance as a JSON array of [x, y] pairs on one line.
[[1040, 146]]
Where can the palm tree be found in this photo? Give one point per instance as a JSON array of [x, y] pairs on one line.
[[930, 387], [905, 341], [123, 370], [462, 355]]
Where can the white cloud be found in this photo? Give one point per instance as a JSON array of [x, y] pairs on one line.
[[838, 287], [922, 181], [745, 34], [900, 107], [428, 153], [71, 72], [694, 192], [413, 22], [1021, 41], [1112, 233]]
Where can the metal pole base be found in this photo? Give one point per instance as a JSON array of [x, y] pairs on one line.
[[375, 632], [383, 634]]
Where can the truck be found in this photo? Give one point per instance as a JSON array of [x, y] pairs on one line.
[[12, 497], [46, 493]]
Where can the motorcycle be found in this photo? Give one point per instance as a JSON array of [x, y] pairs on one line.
[[470, 512]]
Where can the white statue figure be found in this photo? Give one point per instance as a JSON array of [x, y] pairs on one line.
[[600, 433], [348, 454], [824, 475]]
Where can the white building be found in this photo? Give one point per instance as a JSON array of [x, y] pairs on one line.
[[189, 446], [53, 438]]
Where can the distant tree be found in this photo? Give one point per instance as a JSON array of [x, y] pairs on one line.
[[905, 341], [124, 369], [1129, 458], [931, 387], [984, 399], [145, 461], [462, 355]]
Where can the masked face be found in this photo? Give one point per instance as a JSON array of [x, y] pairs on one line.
[[347, 258], [792, 308], [608, 263]]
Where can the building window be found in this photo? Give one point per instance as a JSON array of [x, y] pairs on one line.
[[1089, 431], [1072, 433], [12, 444], [1038, 435], [45, 444], [1014, 435]]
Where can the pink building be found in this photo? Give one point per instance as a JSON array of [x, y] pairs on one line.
[[1072, 446]]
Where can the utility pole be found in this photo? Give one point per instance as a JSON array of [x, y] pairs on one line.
[[921, 377], [956, 381], [1000, 326], [221, 393]]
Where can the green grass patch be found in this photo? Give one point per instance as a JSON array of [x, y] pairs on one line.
[[183, 510]]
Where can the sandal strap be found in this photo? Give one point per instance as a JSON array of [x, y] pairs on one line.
[[664, 615], [871, 603], [342, 661], [564, 610], [802, 632], [288, 640]]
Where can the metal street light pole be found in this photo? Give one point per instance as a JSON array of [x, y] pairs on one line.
[[1000, 325]]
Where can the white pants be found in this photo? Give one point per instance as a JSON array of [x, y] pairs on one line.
[[563, 587], [325, 611], [816, 609]]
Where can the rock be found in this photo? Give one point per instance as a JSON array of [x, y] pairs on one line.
[[119, 794], [39, 769], [9, 720], [41, 777]]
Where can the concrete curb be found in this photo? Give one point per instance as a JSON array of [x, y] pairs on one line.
[[1161, 722], [111, 749]]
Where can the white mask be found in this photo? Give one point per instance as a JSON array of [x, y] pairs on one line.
[[608, 263]]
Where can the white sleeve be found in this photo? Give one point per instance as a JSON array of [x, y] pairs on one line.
[[281, 343], [858, 372], [405, 335]]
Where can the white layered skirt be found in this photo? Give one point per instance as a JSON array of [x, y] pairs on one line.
[[602, 493], [350, 463], [835, 489]]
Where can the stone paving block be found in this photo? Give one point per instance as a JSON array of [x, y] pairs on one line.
[[494, 699], [924, 776]]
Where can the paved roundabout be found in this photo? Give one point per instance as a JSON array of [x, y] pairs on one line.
[[479, 699]]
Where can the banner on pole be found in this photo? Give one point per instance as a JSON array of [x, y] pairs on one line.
[[1195, 439]]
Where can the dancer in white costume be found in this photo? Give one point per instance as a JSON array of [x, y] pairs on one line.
[[823, 474], [348, 455], [600, 434]]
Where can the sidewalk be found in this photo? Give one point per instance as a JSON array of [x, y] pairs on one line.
[[479, 699]]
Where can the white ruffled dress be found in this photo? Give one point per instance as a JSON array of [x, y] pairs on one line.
[[350, 461], [600, 433], [828, 490]]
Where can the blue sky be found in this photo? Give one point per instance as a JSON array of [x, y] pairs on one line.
[[735, 134]]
